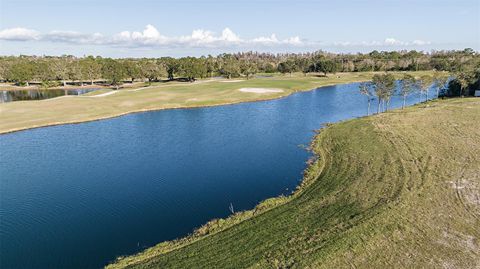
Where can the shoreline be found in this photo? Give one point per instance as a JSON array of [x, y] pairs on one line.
[[27, 114], [286, 94], [320, 165], [315, 166]]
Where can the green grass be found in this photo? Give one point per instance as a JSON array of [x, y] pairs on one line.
[[97, 92], [30, 114], [395, 190]]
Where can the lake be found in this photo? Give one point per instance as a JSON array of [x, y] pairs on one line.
[[77, 196], [25, 95]]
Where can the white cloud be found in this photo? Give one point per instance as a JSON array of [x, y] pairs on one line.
[[390, 41], [229, 36], [272, 39], [294, 41], [200, 38], [19, 34], [73, 37], [150, 36], [421, 42]]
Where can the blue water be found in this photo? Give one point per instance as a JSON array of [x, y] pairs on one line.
[[77, 196]]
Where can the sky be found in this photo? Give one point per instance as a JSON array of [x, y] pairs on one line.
[[147, 28]]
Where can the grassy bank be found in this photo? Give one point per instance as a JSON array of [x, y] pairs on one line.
[[396, 190], [106, 104]]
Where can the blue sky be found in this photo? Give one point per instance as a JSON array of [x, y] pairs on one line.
[[147, 28]]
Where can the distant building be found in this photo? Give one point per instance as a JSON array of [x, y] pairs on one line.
[[477, 93]]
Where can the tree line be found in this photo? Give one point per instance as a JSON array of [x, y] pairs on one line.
[[58, 71], [384, 86]]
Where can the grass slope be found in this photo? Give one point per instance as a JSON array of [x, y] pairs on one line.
[[73, 109], [396, 190]]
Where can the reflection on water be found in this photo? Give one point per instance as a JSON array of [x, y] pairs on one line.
[[24, 95]]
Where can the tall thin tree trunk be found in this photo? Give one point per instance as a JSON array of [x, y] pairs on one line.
[[404, 101], [378, 106], [64, 83], [368, 108], [91, 82]]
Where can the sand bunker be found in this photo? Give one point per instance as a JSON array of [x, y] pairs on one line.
[[260, 90]]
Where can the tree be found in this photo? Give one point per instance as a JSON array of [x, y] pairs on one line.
[[21, 73], [4, 67], [409, 84], [91, 68], [113, 71], [192, 68], [211, 65], [247, 68], [75, 72], [424, 84], [415, 58], [60, 68], [463, 79], [440, 80], [229, 67], [325, 66], [384, 86], [43, 72], [304, 65], [246, 64], [132, 69], [171, 66], [287, 67], [149, 69], [366, 89]]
